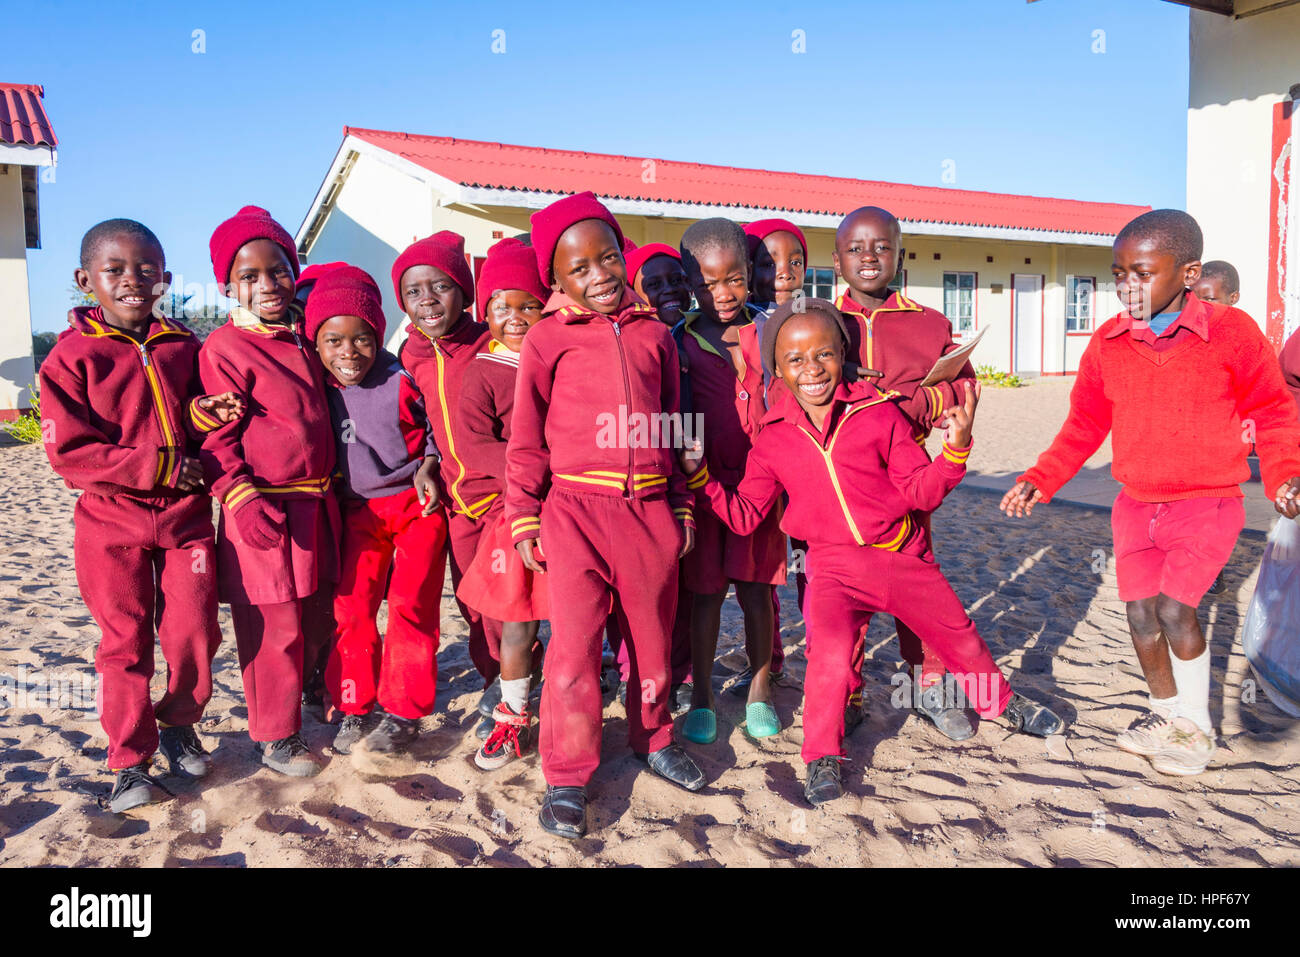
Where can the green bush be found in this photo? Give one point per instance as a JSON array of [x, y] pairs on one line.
[[27, 427], [998, 380]]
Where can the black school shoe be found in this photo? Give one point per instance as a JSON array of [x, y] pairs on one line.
[[824, 782], [289, 756], [352, 729], [1028, 717], [680, 696], [564, 812], [183, 751], [134, 788], [953, 723], [674, 764], [490, 698], [392, 734]]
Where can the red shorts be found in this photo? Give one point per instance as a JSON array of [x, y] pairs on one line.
[[721, 556], [1173, 548], [496, 584]]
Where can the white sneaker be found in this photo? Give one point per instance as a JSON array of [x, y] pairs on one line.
[[1187, 750], [1145, 736]]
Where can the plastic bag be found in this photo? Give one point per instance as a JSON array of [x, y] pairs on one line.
[[1271, 636]]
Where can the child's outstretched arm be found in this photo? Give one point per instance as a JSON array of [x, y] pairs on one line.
[[925, 484], [743, 510]]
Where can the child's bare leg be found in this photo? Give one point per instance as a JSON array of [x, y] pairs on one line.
[[706, 621], [1189, 660], [1151, 646], [755, 599], [517, 640]]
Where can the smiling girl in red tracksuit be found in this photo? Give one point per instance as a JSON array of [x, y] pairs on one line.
[[611, 509], [845, 456], [277, 540]]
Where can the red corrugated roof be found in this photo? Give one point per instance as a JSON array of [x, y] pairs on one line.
[[22, 116], [501, 166]]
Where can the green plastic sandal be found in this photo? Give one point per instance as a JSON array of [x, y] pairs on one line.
[[700, 726], [761, 720]]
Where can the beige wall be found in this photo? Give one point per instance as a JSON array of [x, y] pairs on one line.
[[17, 369], [1238, 71]]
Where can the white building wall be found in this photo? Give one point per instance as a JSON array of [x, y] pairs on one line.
[[17, 368]]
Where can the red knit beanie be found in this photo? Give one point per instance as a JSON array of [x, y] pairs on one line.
[[445, 251], [510, 264], [641, 255], [759, 230], [312, 273], [345, 291], [549, 224], [247, 225]]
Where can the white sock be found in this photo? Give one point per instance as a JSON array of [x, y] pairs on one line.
[[514, 692], [1193, 680], [1165, 707]]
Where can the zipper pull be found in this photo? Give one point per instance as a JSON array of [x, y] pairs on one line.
[[616, 332], [144, 354]]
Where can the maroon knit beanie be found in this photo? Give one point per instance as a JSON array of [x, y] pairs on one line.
[[549, 224], [787, 311], [345, 291], [510, 264], [641, 255], [247, 225], [312, 273], [760, 229], [445, 251]]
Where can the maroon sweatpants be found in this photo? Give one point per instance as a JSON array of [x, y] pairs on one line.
[[401, 672], [463, 534], [847, 584], [679, 656], [600, 547], [137, 564]]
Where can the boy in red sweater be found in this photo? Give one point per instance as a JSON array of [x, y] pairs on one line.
[[511, 297], [721, 351], [434, 284], [394, 542], [1184, 388], [895, 342], [122, 417], [616, 516], [277, 539], [846, 457]]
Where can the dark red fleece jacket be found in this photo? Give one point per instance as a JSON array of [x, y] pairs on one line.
[[487, 402], [119, 415], [592, 405], [854, 484]]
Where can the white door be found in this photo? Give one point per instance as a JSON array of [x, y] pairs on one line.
[[1027, 320]]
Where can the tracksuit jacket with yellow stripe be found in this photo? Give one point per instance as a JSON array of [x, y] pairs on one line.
[[119, 415]]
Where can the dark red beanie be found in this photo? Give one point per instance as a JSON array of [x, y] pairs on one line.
[[445, 251], [510, 264], [313, 272], [345, 291], [759, 230], [549, 224], [247, 225], [641, 255]]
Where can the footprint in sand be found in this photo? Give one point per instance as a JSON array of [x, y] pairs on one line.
[[1091, 847]]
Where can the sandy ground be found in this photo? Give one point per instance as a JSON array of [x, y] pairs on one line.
[[913, 798]]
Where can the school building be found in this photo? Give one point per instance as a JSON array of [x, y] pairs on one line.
[[27, 149], [1243, 123], [1030, 271]]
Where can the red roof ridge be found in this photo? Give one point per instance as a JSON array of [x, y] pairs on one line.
[[23, 121]]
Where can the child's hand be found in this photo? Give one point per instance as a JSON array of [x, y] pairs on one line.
[[688, 541], [191, 476], [691, 457], [426, 486], [1020, 501], [1285, 500], [959, 419], [226, 406], [260, 524], [865, 373], [526, 550]]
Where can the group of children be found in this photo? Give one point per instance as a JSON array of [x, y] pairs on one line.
[[347, 475]]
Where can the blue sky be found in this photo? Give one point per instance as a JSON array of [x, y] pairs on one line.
[[1011, 93]]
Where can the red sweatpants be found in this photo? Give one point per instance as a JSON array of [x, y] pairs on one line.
[[847, 584], [380, 534], [600, 547], [137, 565], [679, 655], [484, 633], [914, 651]]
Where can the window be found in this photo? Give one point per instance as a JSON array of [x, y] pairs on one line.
[[819, 283], [1079, 293], [959, 301]]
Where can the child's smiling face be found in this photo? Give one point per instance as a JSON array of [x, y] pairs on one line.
[[348, 348], [810, 358], [868, 247], [127, 275], [432, 299], [1148, 278], [721, 283], [662, 283], [510, 314], [779, 267], [589, 267], [261, 280]]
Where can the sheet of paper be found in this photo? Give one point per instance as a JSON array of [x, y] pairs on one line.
[[946, 369]]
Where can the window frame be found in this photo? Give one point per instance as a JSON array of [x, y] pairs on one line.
[[958, 333], [1092, 305]]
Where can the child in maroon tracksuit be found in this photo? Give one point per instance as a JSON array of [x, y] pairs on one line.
[[435, 288], [726, 381], [394, 534], [894, 342], [585, 476], [510, 300], [277, 539], [847, 459], [121, 417]]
